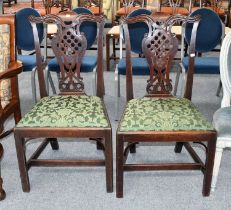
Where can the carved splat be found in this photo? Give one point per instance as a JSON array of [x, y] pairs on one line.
[[69, 46], [159, 47]]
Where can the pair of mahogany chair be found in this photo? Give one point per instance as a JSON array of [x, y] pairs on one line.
[[158, 117]]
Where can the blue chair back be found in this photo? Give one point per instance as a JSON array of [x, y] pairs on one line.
[[137, 30], [24, 34], [88, 28], [209, 32]]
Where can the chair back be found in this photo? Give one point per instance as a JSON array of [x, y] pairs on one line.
[[209, 33], [24, 35], [88, 28], [225, 69], [69, 46], [159, 46], [137, 30]]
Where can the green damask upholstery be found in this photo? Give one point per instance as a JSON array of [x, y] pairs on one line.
[[162, 114], [66, 111]]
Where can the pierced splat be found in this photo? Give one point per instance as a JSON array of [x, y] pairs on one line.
[[159, 48], [69, 47]]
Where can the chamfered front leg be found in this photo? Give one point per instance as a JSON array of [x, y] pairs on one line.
[[209, 167], [109, 161], [119, 166], [20, 149]]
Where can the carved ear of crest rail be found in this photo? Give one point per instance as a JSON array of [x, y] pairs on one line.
[[69, 46], [159, 46]]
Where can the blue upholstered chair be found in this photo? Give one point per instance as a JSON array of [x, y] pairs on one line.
[[89, 63], [222, 117], [209, 35], [139, 63], [25, 42]]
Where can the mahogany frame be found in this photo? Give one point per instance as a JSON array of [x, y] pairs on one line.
[[183, 138], [103, 136]]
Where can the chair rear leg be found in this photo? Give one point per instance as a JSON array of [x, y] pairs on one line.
[[133, 148], [209, 167], [94, 82], [109, 161], [176, 81], [52, 83], [2, 192], [117, 94], [99, 146], [119, 167], [178, 147], [54, 143], [20, 149], [216, 167], [33, 85]]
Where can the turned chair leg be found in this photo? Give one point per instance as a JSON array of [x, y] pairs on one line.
[[2, 192], [216, 167]]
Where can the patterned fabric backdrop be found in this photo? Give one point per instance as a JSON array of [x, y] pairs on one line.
[[5, 87]]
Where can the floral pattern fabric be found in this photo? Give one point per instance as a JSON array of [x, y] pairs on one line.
[[66, 111], [5, 86], [162, 114]]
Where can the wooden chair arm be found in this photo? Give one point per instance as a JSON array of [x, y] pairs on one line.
[[14, 69]]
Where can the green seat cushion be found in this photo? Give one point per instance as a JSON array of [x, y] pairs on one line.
[[66, 111], [162, 114]]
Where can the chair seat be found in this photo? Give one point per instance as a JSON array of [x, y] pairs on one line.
[[139, 66], [163, 114], [221, 121], [28, 61], [88, 64], [66, 111], [204, 65]]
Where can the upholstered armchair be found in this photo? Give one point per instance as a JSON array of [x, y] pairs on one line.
[[9, 69]]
